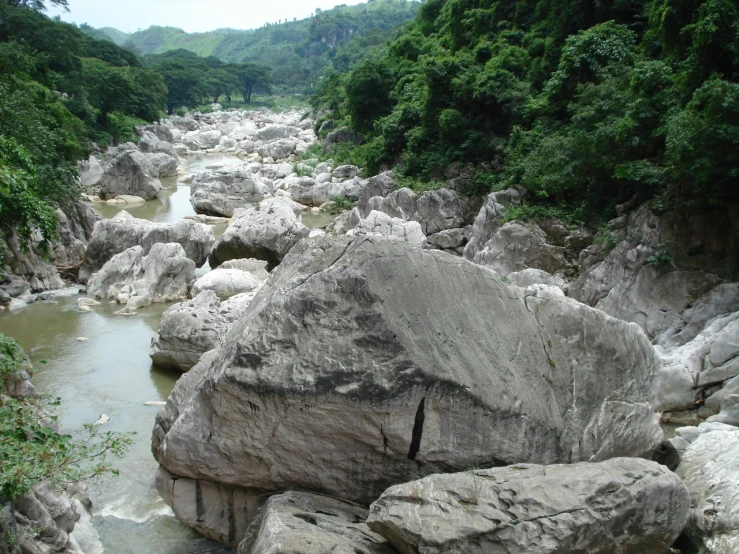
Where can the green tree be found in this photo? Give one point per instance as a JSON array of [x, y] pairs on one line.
[[253, 76]]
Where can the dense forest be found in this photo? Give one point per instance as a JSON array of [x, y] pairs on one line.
[[584, 104], [298, 51]]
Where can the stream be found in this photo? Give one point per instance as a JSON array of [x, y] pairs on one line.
[[108, 371]]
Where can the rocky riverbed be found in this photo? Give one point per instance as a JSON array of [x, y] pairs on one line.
[[417, 374]]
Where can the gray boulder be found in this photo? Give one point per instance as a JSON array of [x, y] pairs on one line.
[[266, 232], [113, 236], [366, 362], [258, 268], [435, 210], [708, 360], [277, 149], [91, 172], [226, 282], [345, 172], [137, 279], [189, 329], [277, 131], [379, 224], [224, 192], [380, 185], [489, 220], [516, 246], [620, 506], [130, 173], [209, 139], [710, 469], [304, 523], [164, 164]]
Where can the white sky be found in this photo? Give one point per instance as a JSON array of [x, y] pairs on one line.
[[190, 15]]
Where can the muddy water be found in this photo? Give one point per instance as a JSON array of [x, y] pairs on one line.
[[110, 373]]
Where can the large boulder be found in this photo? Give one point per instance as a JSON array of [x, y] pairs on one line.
[[489, 220], [113, 236], [130, 173], [516, 246], [276, 131], [380, 185], [382, 225], [266, 232], [137, 279], [226, 282], [223, 192], [164, 164], [277, 149], [189, 329], [624, 506], [435, 210], [364, 363], [91, 172], [209, 139], [708, 360], [304, 523], [710, 469]]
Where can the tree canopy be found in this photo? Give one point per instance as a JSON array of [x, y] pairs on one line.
[[584, 104]]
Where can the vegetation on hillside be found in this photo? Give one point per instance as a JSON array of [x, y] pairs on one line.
[[61, 90], [584, 104], [298, 51]]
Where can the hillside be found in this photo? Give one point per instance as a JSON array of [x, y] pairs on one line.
[[119, 37], [586, 105], [298, 51]]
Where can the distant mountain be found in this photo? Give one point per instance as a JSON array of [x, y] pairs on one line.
[[119, 37], [298, 51]]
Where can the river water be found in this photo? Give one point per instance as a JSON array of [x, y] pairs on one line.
[[98, 363]]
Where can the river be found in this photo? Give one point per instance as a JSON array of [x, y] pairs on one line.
[[98, 363]]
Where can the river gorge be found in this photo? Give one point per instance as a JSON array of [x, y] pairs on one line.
[[406, 350]]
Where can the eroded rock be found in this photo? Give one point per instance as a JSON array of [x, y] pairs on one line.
[[624, 505]]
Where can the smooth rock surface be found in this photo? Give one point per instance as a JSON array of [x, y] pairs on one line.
[[226, 282], [620, 506]]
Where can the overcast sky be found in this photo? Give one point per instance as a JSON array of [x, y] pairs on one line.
[[190, 15]]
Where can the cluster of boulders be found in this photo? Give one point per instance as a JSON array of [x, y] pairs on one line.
[[426, 373], [364, 363]]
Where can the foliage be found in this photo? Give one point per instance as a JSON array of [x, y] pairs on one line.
[[586, 105], [338, 205], [32, 452], [60, 89], [660, 258]]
